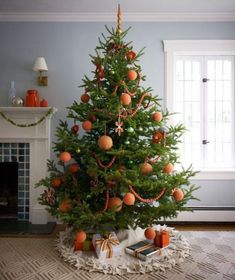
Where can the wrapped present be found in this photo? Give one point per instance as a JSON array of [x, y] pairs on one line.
[[83, 246], [143, 249], [162, 238], [106, 246]]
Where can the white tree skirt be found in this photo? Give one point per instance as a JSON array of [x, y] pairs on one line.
[[176, 252]]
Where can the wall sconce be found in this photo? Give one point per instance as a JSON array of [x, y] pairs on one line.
[[41, 66]]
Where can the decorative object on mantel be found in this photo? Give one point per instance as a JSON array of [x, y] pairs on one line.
[[50, 111], [12, 93], [41, 66], [17, 101], [43, 103], [32, 98]]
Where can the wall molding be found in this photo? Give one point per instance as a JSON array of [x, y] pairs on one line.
[[206, 216], [111, 17]]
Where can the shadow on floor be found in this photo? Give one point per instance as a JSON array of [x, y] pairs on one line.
[[12, 226]]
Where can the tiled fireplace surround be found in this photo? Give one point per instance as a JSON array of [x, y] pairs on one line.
[[30, 147]]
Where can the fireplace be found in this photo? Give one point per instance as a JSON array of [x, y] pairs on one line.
[[8, 189], [15, 175], [27, 149]]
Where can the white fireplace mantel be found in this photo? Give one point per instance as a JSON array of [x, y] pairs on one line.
[[39, 138]]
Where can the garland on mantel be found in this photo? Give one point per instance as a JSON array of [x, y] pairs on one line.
[[30, 124]]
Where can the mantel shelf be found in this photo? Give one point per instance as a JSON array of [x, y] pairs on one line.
[[27, 110]]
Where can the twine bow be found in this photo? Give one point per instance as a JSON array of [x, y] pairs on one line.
[[106, 244], [143, 248]]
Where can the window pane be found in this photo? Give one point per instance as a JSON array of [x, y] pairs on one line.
[[196, 71], [188, 91], [227, 70], [211, 90], [196, 90], [218, 70], [227, 90], [187, 70], [179, 70], [211, 69], [179, 91]]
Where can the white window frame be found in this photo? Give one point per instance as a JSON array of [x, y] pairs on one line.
[[195, 47]]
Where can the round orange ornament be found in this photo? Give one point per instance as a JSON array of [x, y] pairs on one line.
[[87, 125], [65, 156], [73, 168], [56, 182], [80, 236], [130, 55], [146, 168], [168, 168], [150, 233], [157, 137], [105, 142], [129, 199], [125, 99], [132, 75], [115, 203], [85, 97], [65, 205], [178, 194], [157, 116]]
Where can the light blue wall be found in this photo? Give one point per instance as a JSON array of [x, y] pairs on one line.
[[66, 47]]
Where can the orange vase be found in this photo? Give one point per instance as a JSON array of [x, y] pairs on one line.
[[32, 98]]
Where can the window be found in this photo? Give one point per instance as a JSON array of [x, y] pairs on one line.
[[200, 88]]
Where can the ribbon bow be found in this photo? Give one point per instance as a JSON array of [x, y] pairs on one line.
[[106, 244]]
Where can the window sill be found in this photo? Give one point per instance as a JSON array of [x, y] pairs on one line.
[[206, 174]]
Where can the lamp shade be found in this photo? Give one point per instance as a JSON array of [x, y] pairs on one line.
[[40, 64]]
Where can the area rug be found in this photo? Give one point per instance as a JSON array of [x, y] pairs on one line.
[[122, 264], [212, 256]]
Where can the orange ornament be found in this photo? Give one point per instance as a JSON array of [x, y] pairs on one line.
[[168, 168], [101, 73], [125, 99], [56, 182], [129, 199], [157, 116], [80, 236], [87, 125], [150, 233], [105, 142], [132, 75], [130, 55], [73, 168], [65, 156], [85, 97], [65, 205], [115, 203], [157, 137], [146, 168], [178, 194]]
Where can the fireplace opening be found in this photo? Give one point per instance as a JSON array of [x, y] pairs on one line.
[[8, 190]]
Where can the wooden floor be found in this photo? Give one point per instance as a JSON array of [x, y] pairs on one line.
[[183, 227], [206, 227]]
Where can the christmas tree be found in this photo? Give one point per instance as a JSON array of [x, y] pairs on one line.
[[119, 173]]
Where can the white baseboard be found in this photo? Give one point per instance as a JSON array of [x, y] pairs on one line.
[[206, 216]]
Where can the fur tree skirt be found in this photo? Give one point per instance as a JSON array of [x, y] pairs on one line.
[[167, 258]]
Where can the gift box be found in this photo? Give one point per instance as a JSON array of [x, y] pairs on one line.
[[162, 238], [106, 246], [143, 250], [83, 246]]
